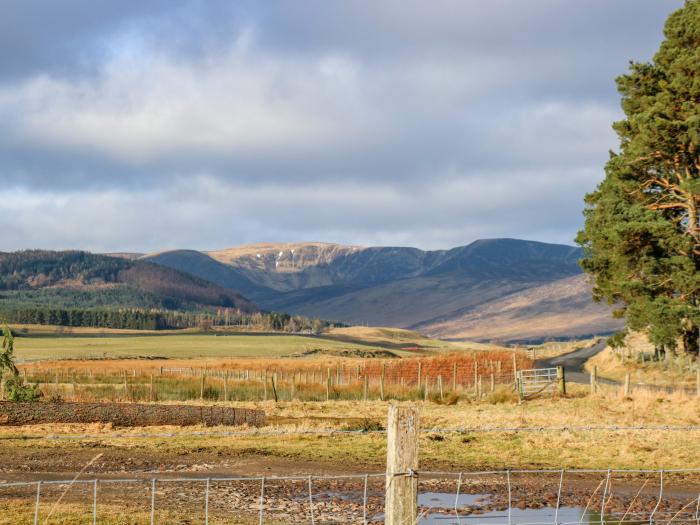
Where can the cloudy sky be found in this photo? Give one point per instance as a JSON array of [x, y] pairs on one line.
[[144, 125]]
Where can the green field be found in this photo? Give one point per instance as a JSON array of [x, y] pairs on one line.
[[29, 349]]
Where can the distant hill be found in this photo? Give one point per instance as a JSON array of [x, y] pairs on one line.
[[202, 265], [75, 279], [495, 289]]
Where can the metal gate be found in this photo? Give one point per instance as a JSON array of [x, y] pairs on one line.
[[536, 380]]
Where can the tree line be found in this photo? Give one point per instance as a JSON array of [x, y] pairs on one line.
[[140, 319]]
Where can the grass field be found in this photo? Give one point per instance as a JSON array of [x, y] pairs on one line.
[[37, 343], [177, 346]]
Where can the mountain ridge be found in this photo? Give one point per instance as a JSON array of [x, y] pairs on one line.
[[438, 291]]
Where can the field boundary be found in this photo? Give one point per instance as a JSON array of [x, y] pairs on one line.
[[341, 432], [661, 507], [126, 414]]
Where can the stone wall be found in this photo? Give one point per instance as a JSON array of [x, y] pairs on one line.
[[126, 414]]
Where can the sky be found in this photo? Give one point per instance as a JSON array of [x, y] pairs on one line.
[[144, 125]]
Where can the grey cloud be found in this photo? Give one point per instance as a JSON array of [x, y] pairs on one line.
[[393, 122]]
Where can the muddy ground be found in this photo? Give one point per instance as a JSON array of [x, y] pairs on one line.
[[332, 499]]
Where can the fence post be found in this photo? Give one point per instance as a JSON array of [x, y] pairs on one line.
[[274, 386], [94, 502], [226, 385], [454, 376], [594, 379], [36, 505], [627, 385], [440, 387], [420, 370], [381, 382], [697, 381], [561, 380], [151, 392], [366, 388], [401, 465]]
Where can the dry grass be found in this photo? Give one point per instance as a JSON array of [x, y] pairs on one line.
[[302, 379], [21, 510], [570, 449], [674, 371], [406, 338]]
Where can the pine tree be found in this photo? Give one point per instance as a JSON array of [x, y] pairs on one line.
[[641, 237]]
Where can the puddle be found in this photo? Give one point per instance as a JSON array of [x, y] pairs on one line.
[[443, 502]]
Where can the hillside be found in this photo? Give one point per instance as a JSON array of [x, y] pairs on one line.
[[201, 265], [501, 289], [557, 310], [73, 279]]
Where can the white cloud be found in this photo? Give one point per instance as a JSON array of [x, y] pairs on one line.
[[217, 123], [141, 108]]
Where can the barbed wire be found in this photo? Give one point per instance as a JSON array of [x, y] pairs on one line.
[[346, 432]]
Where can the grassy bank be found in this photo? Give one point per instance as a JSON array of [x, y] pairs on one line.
[[471, 450], [673, 371]]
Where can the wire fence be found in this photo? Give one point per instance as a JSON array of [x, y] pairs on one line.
[[494, 497], [341, 432], [434, 377]]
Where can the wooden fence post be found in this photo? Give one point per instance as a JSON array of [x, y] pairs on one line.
[[420, 366], [401, 465], [201, 386], [426, 389], [226, 385], [594, 379], [628, 386], [454, 376], [561, 380], [381, 382], [151, 393], [366, 388], [274, 386], [697, 382], [440, 387]]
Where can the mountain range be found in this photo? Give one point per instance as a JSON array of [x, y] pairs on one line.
[[497, 289], [502, 290]]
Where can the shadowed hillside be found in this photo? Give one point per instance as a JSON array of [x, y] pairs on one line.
[[453, 293], [81, 279]]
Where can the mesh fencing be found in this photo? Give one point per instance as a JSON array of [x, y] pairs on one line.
[[496, 497]]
